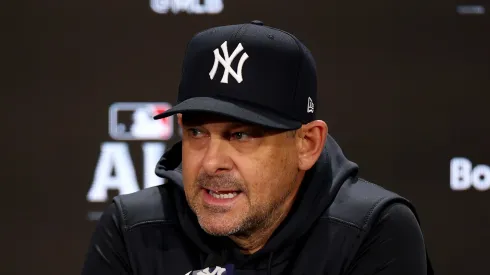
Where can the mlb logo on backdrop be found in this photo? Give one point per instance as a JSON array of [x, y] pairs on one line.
[[134, 121], [126, 164]]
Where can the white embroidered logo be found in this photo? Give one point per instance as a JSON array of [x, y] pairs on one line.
[[226, 62], [311, 106], [217, 271]]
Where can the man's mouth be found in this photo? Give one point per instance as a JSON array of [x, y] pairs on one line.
[[223, 194]]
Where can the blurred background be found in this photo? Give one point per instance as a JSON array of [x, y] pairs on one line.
[[403, 85]]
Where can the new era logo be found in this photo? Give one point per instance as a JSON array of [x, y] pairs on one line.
[[134, 121], [226, 62], [311, 106]]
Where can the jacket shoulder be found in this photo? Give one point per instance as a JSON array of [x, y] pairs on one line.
[[360, 202], [149, 205]]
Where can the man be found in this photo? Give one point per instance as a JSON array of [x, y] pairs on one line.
[[256, 186]]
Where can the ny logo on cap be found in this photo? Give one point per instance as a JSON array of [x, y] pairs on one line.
[[226, 62]]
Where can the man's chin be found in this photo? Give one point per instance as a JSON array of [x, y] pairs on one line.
[[219, 227], [217, 233]]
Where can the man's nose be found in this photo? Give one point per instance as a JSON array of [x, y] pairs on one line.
[[216, 159]]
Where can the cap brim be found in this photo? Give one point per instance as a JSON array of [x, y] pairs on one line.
[[236, 110]]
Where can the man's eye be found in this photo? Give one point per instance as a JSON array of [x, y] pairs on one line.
[[239, 136], [194, 132]]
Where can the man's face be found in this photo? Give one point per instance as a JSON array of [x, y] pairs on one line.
[[237, 177]]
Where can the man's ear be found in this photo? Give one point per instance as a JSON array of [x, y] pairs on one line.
[[311, 141]]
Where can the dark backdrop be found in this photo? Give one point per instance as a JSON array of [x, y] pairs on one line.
[[404, 87]]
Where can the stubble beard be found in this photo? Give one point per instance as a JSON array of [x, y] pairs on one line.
[[257, 218]]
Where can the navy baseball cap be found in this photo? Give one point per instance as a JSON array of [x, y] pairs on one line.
[[250, 72]]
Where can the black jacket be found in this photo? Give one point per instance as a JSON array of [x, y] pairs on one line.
[[339, 224]]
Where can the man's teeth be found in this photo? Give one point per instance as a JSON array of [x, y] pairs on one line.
[[223, 195]]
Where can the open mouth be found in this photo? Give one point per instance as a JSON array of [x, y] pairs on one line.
[[223, 194], [220, 199]]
